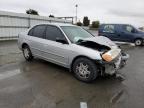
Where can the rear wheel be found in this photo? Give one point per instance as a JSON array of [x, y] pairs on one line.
[[85, 69], [138, 42], [27, 53]]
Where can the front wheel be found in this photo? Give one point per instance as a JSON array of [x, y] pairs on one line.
[[138, 42], [27, 53], [85, 69]]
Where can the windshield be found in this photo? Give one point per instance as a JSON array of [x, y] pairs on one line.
[[75, 33]]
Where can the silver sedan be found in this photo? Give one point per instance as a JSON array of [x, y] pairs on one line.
[[73, 47]]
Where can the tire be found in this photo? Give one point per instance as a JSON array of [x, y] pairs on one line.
[[27, 53], [138, 42], [85, 69]]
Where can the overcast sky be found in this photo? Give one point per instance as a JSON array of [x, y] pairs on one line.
[[107, 11]]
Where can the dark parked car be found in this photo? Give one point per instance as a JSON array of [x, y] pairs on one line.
[[122, 33]]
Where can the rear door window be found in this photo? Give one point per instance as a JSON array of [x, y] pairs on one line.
[[30, 32], [109, 28], [38, 31]]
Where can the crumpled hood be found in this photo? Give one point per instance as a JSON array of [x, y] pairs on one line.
[[102, 41]]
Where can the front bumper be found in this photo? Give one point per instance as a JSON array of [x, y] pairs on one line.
[[113, 67]]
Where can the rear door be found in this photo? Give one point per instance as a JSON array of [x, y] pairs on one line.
[[36, 39], [109, 31]]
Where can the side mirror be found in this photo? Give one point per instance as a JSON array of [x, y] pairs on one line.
[[60, 40]]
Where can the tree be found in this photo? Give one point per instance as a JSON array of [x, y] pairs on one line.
[[79, 23], [32, 11], [95, 24], [51, 16], [86, 21]]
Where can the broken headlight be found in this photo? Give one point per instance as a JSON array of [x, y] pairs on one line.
[[111, 55]]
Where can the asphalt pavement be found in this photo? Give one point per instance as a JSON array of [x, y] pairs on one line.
[[40, 84]]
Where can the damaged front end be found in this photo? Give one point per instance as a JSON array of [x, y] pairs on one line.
[[113, 58], [118, 62]]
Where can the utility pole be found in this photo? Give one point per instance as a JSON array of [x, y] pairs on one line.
[[29, 22], [76, 13]]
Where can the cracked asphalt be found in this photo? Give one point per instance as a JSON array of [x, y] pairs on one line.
[[40, 84]]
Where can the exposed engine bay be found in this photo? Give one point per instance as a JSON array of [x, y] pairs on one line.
[[94, 45]]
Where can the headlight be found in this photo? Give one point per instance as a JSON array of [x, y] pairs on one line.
[[110, 55]]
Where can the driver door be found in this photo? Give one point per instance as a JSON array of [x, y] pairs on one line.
[[56, 52], [127, 34]]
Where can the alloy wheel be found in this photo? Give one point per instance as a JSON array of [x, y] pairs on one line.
[[82, 70]]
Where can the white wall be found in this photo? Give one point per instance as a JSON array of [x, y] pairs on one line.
[[13, 23]]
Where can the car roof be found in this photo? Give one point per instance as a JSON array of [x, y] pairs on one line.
[[56, 24], [114, 24]]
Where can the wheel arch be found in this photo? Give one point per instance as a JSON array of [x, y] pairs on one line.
[[137, 38], [24, 44], [75, 58]]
